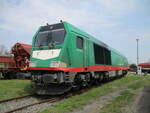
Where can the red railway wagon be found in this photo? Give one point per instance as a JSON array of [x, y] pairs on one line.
[[145, 67], [18, 62], [6, 62], [7, 65]]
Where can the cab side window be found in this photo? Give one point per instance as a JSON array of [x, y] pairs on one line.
[[79, 42]]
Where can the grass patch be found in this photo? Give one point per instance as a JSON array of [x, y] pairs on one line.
[[79, 101], [125, 98], [14, 88], [140, 84]]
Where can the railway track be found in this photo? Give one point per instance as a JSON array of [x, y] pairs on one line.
[[33, 104], [11, 101], [16, 98], [41, 101]]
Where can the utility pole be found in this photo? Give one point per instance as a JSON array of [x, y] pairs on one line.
[[137, 54]]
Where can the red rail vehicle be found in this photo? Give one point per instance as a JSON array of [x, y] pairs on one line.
[[145, 67], [16, 65], [7, 64]]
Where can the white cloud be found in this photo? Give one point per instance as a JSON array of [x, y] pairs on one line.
[[29, 14], [119, 7]]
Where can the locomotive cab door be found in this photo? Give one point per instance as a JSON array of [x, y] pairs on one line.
[[77, 51], [86, 53]]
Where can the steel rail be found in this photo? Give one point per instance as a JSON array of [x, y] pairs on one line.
[[16, 98], [50, 100], [36, 103]]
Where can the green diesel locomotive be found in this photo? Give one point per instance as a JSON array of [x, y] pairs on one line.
[[64, 58]]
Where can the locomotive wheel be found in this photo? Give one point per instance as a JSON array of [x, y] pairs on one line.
[[76, 87], [106, 78], [6, 76], [89, 80], [77, 83]]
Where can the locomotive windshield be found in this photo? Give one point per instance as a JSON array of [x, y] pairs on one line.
[[50, 35]]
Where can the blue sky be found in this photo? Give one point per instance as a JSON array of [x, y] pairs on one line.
[[116, 22]]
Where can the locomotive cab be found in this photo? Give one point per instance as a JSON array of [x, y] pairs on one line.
[[47, 58], [47, 46]]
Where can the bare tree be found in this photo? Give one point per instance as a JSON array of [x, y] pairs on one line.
[[4, 51]]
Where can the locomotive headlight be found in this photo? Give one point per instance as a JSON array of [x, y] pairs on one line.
[[54, 64], [58, 64], [32, 64]]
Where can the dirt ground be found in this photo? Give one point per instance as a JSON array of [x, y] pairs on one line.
[[141, 104], [95, 105]]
